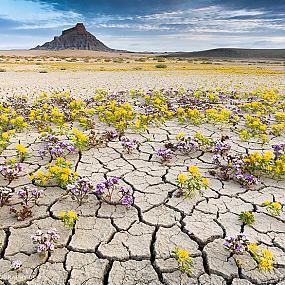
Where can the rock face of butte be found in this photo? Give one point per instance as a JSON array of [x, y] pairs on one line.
[[75, 38]]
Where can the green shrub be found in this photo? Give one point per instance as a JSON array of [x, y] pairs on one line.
[[118, 60], [247, 218], [161, 66], [141, 59]]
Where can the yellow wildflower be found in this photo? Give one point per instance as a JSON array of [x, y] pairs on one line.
[[268, 155], [5, 136], [194, 170], [276, 205], [265, 264], [181, 178], [72, 215], [253, 247], [20, 148], [266, 202], [182, 253], [205, 181], [138, 124], [267, 254]]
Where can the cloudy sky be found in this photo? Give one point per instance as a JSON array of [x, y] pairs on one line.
[[147, 25]]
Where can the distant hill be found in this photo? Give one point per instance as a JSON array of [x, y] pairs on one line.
[[76, 38], [233, 53]]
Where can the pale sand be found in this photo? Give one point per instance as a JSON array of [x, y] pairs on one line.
[[84, 83]]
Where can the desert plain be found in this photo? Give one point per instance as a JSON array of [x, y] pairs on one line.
[[160, 104]]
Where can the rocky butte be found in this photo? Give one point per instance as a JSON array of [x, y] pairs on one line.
[[75, 38]]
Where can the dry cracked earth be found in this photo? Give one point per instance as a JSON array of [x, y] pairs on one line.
[[111, 244], [114, 245]]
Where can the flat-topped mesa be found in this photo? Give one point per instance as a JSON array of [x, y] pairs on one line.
[[75, 38]]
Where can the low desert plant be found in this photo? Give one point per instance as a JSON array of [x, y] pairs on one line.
[[161, 66], [247, 218], [184, 260], [69, 218], [191, 183], [273, 208], [28, 198], [45, 241]]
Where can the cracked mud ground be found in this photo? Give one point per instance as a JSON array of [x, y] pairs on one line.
[[114, 245]]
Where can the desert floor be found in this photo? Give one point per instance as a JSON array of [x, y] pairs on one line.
[[112, 244]]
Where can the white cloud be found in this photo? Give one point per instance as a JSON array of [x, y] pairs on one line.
[[140, 27], [212, 19], [190, 42]]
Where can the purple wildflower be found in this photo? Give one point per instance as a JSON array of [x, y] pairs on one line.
[[236, 245], [80, 189], [129, 144], [165, 154], [100, 188], [127, 200]]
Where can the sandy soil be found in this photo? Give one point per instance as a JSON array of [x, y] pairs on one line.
[[71, 53], [83, 83]]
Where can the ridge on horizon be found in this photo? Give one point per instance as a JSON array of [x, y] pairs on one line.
[[232, 53]]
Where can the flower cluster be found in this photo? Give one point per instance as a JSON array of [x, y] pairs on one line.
[[191, 183], [45, 241], [208, 144], [233, 167], [111, 135], [256, 127], [69, 218], [263, 257], [120, 116], [80, 140], [184, 260], [185, 144], [4, 138], [219, 115], [274, 208], [165, 154], [240, 245], [21, 152], [80, 189], [279, 150], [56, 147], [10, 169], [127, 198], [59, 172], [198, 142], [267, 163], [247, 218], [129, 144], [28, 198], [107, 189]]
